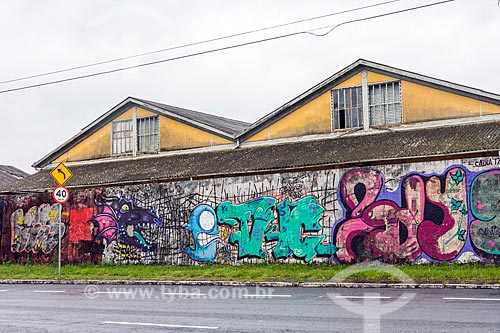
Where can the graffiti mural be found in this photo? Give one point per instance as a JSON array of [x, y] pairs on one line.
[[442, 235], [121, 221], [252, 220], [251, 226], [441, 211], [378, 228], [295, 217], [426, 214], [485, 205], [37, 230], [203, 228]]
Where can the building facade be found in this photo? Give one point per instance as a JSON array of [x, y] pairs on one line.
[[373, 163]]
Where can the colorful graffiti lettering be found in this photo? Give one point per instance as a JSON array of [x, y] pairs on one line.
[[251, 225], [374, 229], [253, 219], [121, 220], [484, 200], [347, 216], [294, 217], [204, 232], [398, 226], [37, 230], [443, 234]]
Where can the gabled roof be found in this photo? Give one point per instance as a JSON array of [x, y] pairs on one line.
[[9, 174], [439, 142], [353, 69], [224, 127], [230, 126]]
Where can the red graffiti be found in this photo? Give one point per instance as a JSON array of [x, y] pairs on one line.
[[79, 228]]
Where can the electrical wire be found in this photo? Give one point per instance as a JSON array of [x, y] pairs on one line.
[[332, 27], [196, 43]]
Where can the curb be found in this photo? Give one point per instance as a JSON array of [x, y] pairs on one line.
[[261, 284]]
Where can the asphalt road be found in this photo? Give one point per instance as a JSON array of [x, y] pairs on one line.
[[81, 308]]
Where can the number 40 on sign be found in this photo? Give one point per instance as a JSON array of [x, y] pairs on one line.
[[60, 194]]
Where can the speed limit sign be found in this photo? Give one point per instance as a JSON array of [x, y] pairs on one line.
[[60, 194]]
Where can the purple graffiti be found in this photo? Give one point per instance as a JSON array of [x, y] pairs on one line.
[[397, 226], [121, 220], [378, 229], [443, 236]]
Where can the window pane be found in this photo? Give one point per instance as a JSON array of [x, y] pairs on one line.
[[346, 108], [385, 103], [122, 137], [148, 134]]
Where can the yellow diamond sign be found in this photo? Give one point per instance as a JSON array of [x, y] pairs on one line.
[[61, 174]]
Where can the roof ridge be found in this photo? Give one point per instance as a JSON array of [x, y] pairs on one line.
[[191, 110]]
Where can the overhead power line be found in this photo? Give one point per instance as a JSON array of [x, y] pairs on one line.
[[332, 27], [197, 43]]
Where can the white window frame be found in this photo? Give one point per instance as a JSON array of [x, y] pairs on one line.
[[385, 109], [349, 115], [122, 140], [132, 140], [148, 142], [389, 106]]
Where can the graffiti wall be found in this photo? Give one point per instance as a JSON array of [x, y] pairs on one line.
[[407, 213]]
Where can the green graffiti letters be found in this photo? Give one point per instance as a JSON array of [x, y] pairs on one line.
[[293, 216], [258, 212], [252, 222]]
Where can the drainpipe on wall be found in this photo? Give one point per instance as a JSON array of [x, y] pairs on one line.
[[237, 144]]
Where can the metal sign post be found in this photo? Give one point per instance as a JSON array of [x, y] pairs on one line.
[[61, 175], [59, 254]]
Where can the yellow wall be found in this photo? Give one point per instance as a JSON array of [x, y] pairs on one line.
[[313, 117], [420, 103], [95, 146], [176, 135], [173, 135]]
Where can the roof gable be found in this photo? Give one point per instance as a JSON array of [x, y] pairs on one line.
[[350, 71], [223, 127]]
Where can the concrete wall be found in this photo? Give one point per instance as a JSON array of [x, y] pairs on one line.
[[420, 212]]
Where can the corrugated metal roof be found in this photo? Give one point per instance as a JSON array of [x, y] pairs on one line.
[[382, 146]]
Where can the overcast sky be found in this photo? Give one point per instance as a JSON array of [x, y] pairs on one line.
[[456, 41]]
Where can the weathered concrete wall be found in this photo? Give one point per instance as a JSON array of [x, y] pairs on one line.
[[419, 212]]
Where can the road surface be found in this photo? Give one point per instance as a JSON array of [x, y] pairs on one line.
[[107, 308]]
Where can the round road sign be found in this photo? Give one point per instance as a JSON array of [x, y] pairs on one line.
[[60, 194]]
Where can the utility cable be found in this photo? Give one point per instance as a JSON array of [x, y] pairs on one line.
[[194, 43], [332, 27]]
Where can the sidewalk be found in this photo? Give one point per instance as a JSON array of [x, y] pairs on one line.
[[262, 284]]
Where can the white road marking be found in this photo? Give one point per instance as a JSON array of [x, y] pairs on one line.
[[471, 299], [184, 294], [160, 325], [49, 291], [365, 297], [112, 292], [2, 291], [252, 295]]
